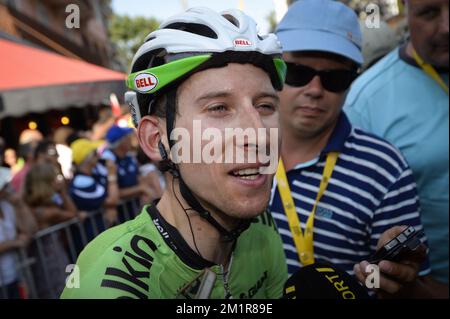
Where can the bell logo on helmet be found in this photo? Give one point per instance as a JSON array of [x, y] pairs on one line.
[[145, 82], [242, 43]]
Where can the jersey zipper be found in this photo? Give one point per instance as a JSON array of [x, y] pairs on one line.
[[225, 278]]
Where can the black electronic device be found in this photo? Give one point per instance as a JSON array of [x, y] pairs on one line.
[[400, 247]]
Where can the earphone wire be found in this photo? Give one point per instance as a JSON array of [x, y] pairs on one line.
[[189, 220]]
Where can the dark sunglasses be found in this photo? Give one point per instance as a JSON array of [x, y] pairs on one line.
[[332, 80]]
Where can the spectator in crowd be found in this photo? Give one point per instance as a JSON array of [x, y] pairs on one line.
[[29, 136], [350, 190], [28, 141], [16, 228], [105, 121], [75, 136], [404, 99], [119, 151], [64, 152], [131, 189], [10, 159], [46, 193], [46, 152], [90, 190], [48, 199], [151, 176]]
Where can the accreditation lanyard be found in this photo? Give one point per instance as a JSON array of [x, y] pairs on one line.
[[429, 69], [303, 240]]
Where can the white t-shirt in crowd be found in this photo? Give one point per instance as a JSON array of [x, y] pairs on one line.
[[65, 160]]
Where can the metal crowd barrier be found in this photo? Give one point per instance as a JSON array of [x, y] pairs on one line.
[[43, 264], [23, 268]]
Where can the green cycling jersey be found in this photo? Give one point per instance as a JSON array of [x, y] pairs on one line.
[[147, 258]]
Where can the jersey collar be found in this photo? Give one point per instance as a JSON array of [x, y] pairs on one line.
[[176, 242]]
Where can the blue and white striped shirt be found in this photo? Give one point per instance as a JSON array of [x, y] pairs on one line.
[[371, 190]]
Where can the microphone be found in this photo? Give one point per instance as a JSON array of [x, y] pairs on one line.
[[323, 281]]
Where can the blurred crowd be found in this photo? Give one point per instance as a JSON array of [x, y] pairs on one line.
[[49, 180]]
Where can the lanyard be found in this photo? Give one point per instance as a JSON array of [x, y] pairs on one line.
[[428, 69], [303, 240]]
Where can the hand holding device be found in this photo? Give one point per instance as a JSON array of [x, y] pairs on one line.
[[400, 247]]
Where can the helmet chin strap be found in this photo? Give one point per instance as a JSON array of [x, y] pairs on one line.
[[187, 194]]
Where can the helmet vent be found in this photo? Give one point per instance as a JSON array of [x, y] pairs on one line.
[[232, 19], [195, 28]]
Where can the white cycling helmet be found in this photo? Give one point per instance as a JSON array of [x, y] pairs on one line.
[[195, 40]]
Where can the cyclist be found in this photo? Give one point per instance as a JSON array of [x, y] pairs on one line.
[[212, 219]]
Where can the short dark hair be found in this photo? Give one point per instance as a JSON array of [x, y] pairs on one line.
[[73, 137], [42, 147], [25, 150]]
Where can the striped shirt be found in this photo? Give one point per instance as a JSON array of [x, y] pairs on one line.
[[371, 190], [89, 192]]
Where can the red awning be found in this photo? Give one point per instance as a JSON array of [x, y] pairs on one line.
[[33, 80]]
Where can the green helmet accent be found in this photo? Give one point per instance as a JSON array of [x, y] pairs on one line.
[[152, 80], [281, 67]]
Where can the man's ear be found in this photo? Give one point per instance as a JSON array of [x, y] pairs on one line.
[[150, 135]]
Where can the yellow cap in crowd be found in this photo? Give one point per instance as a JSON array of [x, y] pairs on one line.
[[81, 149]]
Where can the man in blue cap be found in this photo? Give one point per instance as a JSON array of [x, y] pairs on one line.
[[348, 191], [130, 188]]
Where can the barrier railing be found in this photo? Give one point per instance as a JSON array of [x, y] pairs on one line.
[[42, 266]]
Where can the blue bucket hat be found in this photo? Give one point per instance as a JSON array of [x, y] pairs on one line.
[[321, 25]]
